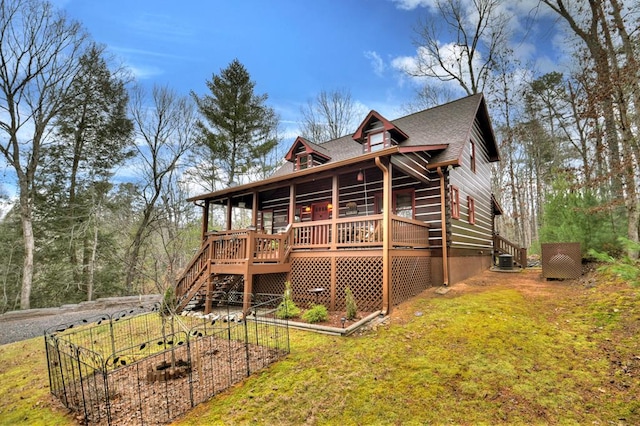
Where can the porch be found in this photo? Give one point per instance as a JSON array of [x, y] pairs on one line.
[[326, 254]]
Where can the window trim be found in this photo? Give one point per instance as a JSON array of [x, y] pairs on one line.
[[383, 144], [471, 206], [377, 201], [455, 202], [264, 229], [309, 162]]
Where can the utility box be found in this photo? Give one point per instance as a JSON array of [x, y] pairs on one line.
[[561, 261], [505, 261]]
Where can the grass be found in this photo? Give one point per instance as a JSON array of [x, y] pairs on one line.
[[494, 355]]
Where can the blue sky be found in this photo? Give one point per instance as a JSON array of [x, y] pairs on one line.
[[293, 49]]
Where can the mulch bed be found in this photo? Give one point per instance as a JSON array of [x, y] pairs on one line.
[[138, 396]]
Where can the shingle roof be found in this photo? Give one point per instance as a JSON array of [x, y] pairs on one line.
[[449, 124], [443, 130]]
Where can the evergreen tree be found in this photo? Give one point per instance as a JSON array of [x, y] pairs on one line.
[[237, 129], [573, 214], [93, 136]]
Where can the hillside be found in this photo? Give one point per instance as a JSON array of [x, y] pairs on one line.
[[496, 349]]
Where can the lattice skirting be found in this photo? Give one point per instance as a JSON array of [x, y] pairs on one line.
[[362, 272], [269, 283], [410, 276]]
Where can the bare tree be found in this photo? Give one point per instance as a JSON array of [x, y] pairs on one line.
[[164, 127], [329, 116], [615, 84], [39, 51], [429, 96], [477, 29]]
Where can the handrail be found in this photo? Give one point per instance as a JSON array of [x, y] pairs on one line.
[[360, 232], [504, 246], [409, 232]]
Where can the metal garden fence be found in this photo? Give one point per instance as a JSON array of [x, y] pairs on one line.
[[135, 367]]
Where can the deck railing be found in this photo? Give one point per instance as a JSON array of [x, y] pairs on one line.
[[503, 246], [359, 232], [409, 233], [231, 248]]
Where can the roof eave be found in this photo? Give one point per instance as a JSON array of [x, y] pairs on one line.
[[223, 193]]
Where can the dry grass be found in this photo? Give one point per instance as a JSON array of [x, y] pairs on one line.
[[497, 349]]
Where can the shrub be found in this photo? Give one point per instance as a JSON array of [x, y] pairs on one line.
[[287, 308], [317, 313], [350, 302], [625, 267]]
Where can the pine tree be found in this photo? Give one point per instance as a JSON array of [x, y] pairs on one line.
[[237, 129]]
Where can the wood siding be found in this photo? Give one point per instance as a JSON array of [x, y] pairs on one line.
[[475, 238]]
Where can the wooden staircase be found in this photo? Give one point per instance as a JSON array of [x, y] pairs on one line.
[[228, 259], [503, 246]]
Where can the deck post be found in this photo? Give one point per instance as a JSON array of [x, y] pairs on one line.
[[248, 290], [254, 210], [386, 233], [334, 211], [205, 219], [229, 210]]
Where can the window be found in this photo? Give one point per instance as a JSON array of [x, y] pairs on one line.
[[455, 202], [404, 204], [303, 161], [472, 156], [376, 141], [472, 210], [267, 221]]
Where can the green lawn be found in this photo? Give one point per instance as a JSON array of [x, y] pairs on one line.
[[492, 354]]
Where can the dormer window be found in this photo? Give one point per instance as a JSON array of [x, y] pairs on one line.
[[304, 154], [376, 142], [303, 161], [377, 133]]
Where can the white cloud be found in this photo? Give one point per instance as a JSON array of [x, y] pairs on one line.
[[143, 73], [414, 4], [377, 63]]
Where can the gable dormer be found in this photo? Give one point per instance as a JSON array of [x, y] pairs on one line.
[[304, 154], [377, 133]]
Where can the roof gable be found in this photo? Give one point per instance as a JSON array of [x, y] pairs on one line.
[[308, 147], [373, 118]]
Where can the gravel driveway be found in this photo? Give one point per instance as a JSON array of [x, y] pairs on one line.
[[22, 325]]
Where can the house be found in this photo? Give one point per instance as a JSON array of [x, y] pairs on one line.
[[396, 207]]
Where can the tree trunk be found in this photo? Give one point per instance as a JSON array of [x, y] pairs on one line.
[[29, 245]]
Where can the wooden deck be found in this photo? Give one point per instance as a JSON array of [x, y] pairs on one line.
[[248, 252]]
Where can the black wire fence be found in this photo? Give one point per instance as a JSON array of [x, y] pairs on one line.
[[137, 367]]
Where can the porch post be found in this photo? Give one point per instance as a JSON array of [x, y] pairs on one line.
[[248, 289], [335, 202], [386, 234], [334, 211], [292, 203], [254, 210], [205, 219], [229, 207]]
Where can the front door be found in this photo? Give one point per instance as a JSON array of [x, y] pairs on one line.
[[320, 211]]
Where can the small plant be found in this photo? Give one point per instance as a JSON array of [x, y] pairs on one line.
[[287, 308], [626, 267], [317, 313], [350, 302]]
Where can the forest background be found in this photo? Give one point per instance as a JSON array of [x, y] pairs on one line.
[[71, 116]]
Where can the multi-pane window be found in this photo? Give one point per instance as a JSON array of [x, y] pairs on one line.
[[304, 161], [455, 202], [404, 204], [471, 204], [376, 141]]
